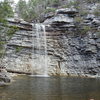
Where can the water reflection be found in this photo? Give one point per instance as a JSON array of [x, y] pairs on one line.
[[51, 88]]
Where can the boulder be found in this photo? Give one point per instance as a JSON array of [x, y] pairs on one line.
[[4, 77]]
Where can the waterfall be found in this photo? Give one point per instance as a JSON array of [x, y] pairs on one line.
[[39, 50], [33, 50], [38, 45], [45, 49]]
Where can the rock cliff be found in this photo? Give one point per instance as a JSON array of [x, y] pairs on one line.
[[73, 48]]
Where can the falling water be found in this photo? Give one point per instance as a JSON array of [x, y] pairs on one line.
[[40, 43], [33, 50], [45, 49]]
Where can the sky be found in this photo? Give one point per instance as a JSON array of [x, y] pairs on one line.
[[15, 0]]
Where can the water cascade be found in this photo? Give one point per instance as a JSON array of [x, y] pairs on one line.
[[39, 50], [45, 50]]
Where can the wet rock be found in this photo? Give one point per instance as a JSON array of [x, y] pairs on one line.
[[4, 77]]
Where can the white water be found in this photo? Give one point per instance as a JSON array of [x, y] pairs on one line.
[[38, 45], [39, 58], [45, 49], [33, 51]]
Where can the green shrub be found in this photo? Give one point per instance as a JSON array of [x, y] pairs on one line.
[[78, 19], [1, 54], [11, 30], [73, 3], [18, 49], [83, 12], [2, 51], [85, 29], [5, 10], [50, 10], [2, 42]]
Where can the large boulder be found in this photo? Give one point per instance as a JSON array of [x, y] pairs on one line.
[[4, 77]]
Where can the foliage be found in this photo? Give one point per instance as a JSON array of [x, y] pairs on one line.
[[18, 49], [50, 10], [2, 50], [85, 29], [5, 10], [5, 34], [11, 30], [78, 19], [1, 53], [33, 9], [84, 12], [8, 33], [2, 43], [53, 2], [73, 3], [22, 9]]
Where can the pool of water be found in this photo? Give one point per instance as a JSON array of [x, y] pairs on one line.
[[51, 88]]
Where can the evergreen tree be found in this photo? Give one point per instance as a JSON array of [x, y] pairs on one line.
[[21, 9], [5, 10], [33, 9]]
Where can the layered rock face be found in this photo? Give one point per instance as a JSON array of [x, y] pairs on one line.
[[69, 52]]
